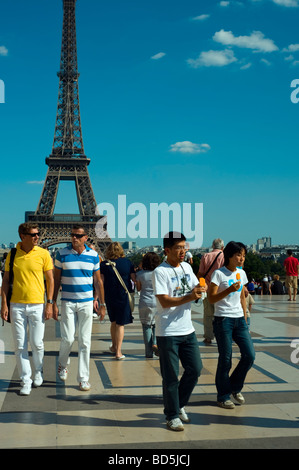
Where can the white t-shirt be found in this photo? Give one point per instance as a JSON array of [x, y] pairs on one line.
[[230, 306], [175, 282]]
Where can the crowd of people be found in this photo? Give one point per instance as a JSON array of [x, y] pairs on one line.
[[86, 284]]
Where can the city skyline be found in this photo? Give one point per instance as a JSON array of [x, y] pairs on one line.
[[257, 246], [186, 104]]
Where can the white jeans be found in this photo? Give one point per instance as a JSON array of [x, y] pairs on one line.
[[72, 314], [26, 317]]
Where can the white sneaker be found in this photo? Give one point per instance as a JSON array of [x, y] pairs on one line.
[[183, 416], [228, 404], [62, 372], [25, 390], [38, 379], [175, 424], [84, 386], [239, 398]]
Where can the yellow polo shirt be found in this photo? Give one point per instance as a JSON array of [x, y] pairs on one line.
[[29, 269]]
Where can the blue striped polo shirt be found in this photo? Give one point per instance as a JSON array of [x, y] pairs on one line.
[[77, 273]]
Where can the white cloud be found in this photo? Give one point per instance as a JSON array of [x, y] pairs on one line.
[[158, 56], [246, 66], [287, 3], [201, 17], [266, 62], [3, 51], [224, 3], [292, 48], [256, 41], [189, 147], [36, 182], [213, 59]]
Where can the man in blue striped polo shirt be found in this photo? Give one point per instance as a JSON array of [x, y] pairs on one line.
[[77, 271]]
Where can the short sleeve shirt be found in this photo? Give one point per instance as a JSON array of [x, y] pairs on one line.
[[174, 282], [147, 296], [230, 306], [291, 265], [77, 273], [28, 270]]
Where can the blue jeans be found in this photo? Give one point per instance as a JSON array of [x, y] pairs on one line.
[[226, 331], [149, 338], [173, 349]]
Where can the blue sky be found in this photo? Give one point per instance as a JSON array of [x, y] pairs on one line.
[[185, 102]]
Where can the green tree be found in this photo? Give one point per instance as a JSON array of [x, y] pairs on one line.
[[256, 267]]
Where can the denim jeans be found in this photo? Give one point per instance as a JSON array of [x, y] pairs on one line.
[[149, 338], [226, 331], [173, 349]]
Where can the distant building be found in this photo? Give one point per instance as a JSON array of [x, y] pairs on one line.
[[264, 242], [129, 245], [151, 248]]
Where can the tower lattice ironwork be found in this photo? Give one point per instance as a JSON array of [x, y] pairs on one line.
[[68, 161]]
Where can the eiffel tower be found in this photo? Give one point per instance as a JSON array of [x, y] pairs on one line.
[[68, 161]]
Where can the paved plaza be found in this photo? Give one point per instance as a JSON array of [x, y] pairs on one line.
[[124, 408]]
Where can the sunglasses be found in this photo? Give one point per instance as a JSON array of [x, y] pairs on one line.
[[78, 235], [37, 234]]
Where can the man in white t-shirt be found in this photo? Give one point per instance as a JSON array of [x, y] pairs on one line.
[[176, 286]]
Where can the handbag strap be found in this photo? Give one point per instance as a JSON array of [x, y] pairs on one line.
[[111, 263], [11, 261], [212, 264], [10, 279]]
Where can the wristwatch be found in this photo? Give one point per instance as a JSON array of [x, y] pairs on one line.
[[50, 301], [102, 305]]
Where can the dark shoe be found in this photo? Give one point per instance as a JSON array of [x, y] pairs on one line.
[[207, 341]]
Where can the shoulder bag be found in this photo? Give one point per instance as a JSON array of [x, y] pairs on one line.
[[212, 264], [210, 267], [10, 281], [130, 295]]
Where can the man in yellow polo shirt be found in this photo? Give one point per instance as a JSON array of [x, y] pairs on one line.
[[32, 265]]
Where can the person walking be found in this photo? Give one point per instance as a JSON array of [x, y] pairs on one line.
[[147, 302], [226, 291], [291, 267], [208, 264], [77, 271], [32, 265], [176, 286], [118, 306]]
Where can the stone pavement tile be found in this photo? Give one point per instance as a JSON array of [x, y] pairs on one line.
[[28, 430]]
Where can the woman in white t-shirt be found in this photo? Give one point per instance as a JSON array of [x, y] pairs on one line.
[[226, 292]]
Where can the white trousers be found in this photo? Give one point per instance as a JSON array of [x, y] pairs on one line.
[[76, 314], [24, 318]]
